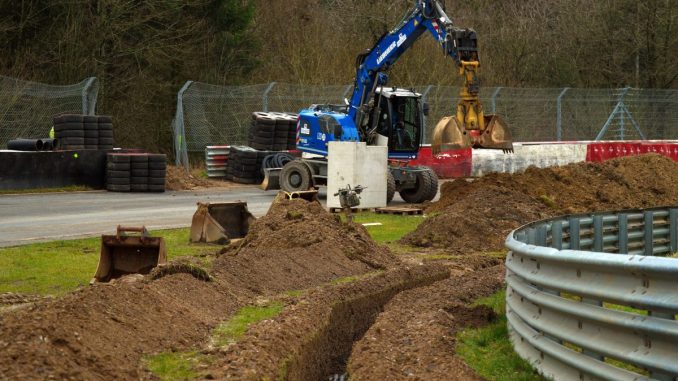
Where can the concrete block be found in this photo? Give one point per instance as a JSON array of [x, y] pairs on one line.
[[356, 163]]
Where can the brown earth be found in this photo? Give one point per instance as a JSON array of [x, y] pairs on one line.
[[414, 337], [312, 338], [102, 332], [299, 245], [477, 215], [179, 179]]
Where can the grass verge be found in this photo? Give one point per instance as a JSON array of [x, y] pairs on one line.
[[488, 350], [70, 188], [175, 366], [230, 331], [392, 227], [58, 267]]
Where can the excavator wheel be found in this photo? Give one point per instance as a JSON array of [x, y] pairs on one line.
[[390, 187], [425, 189], [295, 176]]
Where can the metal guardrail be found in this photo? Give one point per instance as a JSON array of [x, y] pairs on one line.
[[590, 297], [216, 158]]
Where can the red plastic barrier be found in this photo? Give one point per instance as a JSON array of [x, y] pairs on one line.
[[447, 164], [602, 151]]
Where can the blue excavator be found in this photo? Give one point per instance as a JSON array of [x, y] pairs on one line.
[[378, 114]]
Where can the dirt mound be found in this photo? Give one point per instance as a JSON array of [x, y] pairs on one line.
[[103, 331], [298, 244], [477, 215], [414, 337], [179, 179]]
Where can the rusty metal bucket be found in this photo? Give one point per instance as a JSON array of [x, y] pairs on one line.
[[220, 222], [496, 135], [123, 254], [448, 135]]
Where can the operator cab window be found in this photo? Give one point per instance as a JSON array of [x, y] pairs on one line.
[[406, 124]]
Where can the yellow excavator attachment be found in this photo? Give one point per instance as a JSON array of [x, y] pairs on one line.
[[123, 254], [470, 127]]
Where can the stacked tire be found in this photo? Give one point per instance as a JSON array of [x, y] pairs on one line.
[[157, 172], [273, 131], [136, 172], [139, 173], [69, 131], [118, 172], [105, 132], [244, 165], [91, 129], [78, 132]]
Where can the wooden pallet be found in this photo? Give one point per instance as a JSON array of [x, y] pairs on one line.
[[353, 210], [403, 211]]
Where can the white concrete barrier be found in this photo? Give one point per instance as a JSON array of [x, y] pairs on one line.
[[354, 163]]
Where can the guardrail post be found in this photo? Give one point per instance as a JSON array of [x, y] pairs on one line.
[[264, 100], [494, 99], [557, 235], [673, 229], [623, 234], [574, 233], [559, 115], [648, 220], [598, 233], [424, 97]]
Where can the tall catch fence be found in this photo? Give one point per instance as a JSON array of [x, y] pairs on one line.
[[595, 297], [220, 115], [27, 108]]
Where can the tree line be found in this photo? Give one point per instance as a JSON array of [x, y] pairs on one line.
[[143, 51]]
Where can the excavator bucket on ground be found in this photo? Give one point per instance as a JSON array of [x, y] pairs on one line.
[[271, 179], [220, 222], [449, 135], [123, 254]]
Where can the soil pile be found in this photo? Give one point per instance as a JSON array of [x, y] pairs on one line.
[[179, 179], [477, 215], [296, 245], [102, 332], [414, 337]]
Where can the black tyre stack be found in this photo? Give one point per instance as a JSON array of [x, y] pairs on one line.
[[262, 131], [105, 132], [273, 131], [244, 165], [91, 129], [157, 172], [69, 131], [118, 171], [139, 173]]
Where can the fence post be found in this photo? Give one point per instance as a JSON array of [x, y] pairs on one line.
[[89, 97], [264, 101], [494, 99], [559, 115], [180, 146], [423, 100]]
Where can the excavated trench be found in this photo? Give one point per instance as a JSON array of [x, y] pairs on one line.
[[313, 338]]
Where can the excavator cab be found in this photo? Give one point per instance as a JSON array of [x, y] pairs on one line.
[[398, 117]]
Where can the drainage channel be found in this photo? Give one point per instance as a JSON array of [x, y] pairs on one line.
[[325, 355]]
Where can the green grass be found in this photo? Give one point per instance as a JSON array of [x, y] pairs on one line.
[[58, 267], [230, 331], [392, 228], [175, 366], [70, 188], [488, 350]]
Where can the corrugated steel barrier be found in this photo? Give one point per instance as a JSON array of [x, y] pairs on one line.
[[595, 297], [216, 158]]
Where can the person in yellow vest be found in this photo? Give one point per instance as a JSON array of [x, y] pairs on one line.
[[51, 133]]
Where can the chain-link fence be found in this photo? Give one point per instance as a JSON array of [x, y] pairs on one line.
[[218, 115], [27, 108]]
